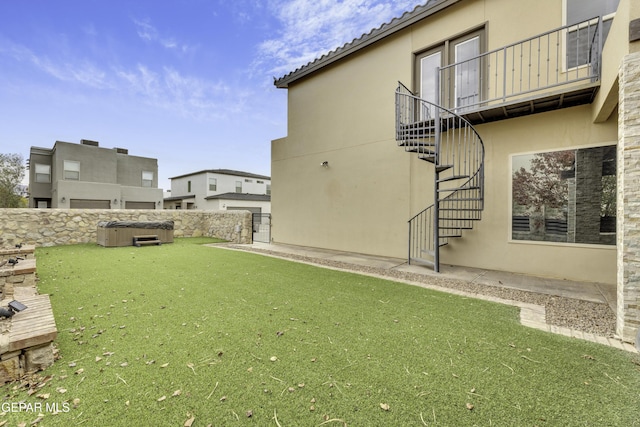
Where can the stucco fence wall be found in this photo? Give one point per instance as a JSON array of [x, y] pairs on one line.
[[53, 227]]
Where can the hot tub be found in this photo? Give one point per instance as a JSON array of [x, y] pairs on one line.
[[122, 233]]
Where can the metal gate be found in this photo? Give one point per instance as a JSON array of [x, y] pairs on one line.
[[261, 227]]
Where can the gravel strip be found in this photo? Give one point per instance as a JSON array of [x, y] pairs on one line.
[[580, 315]]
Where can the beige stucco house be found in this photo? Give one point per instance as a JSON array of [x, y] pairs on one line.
[[523, 117]]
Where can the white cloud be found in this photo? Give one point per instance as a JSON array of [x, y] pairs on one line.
[[311, 28], [84, 72], [147, 32], [159, 87], [185, 95]]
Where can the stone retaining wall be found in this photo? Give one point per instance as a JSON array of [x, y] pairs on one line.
[[52, 227]]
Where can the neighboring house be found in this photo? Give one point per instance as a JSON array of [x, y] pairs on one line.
[[90, 177], [521, 123], [219, 190]]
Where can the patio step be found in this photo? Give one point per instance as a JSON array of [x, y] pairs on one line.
[[150, 239]]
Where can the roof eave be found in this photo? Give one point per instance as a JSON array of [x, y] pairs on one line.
[[375, 35]]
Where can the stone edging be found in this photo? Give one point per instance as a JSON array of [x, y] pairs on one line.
[[531, 315]]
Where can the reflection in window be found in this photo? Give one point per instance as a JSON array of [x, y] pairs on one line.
[[428, 66], [565, 196], [580, 37]]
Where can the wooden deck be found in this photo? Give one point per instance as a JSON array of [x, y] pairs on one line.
[[33, 326]]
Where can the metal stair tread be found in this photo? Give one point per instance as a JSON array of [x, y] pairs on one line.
[[453, 178], [464, 188], [450, 214], [466, 199], [442, 168], [420, 150], [406, 143]]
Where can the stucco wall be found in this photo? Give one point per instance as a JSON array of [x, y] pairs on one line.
[[361, 202], [50, 227]]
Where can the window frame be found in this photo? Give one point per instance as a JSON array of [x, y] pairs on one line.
[[577, 27], [238, 186], [147, 180], [446, 49], [37, 174], [510, 210], [68, 171], [213, 186]]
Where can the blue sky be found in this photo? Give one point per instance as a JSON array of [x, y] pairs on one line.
[[189, 82]]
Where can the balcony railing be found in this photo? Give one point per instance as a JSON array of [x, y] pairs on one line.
[[560, 60]]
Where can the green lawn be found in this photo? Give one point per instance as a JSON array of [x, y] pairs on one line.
[[184, 334]]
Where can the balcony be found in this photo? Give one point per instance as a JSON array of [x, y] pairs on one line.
[[553, 70]]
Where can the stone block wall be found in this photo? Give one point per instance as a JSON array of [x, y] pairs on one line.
[[10, 279], [52, 227], [628, 317], [13, 365]]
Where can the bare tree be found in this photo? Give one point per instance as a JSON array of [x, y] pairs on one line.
[[11, 174]]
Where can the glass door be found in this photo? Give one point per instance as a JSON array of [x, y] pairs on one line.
[[467, 73], [427, 89]]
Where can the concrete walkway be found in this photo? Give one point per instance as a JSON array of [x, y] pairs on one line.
[[531, 315]]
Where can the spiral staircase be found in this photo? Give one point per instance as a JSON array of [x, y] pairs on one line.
[[448, 141]]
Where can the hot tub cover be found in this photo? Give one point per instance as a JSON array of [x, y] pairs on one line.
[[159, 225]]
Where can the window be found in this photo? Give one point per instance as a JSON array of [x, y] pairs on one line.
[[457, 86], [147, 179], [71, 170], [213, 184], [238, 186], [188, 186], [427, 83], [43, 173], [580, 37], [269, 189], [248, 180], [565, 196], [466, 84], [260, 182]]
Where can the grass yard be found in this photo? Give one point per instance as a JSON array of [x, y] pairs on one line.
[[188, 335]]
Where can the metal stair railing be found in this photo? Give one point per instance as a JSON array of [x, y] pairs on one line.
[[558, 58], [453, 146]]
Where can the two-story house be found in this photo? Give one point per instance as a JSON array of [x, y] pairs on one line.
[[88, 176], [496, 134], [219, 190]]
